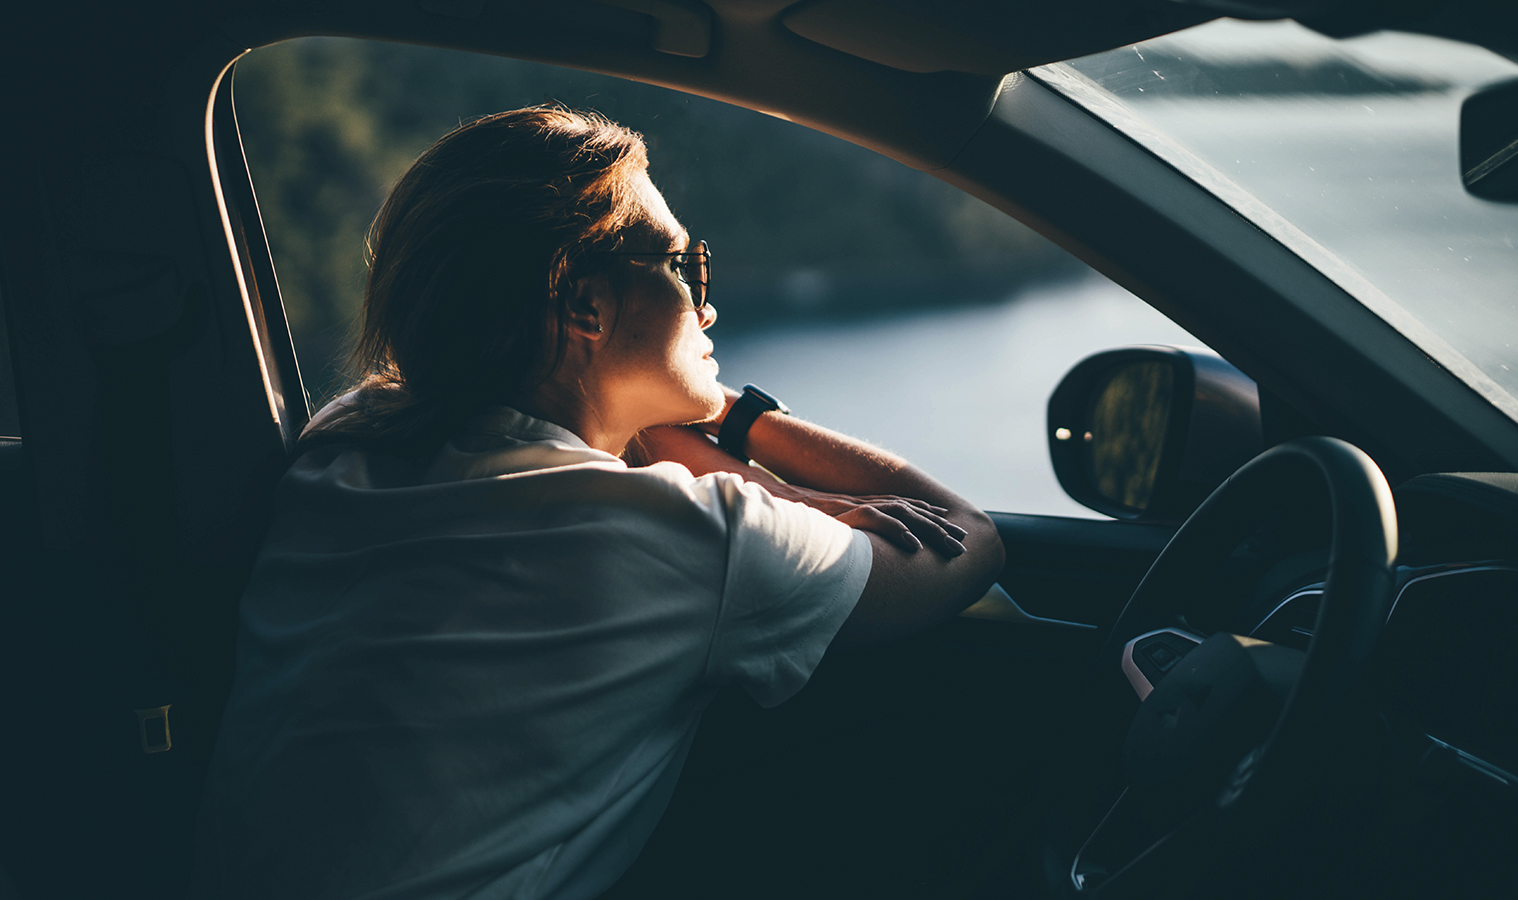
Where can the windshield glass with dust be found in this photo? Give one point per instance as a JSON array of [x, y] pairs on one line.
[[1347, 151]]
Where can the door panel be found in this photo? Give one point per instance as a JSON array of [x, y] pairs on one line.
[[919, 766], [1078, 570]]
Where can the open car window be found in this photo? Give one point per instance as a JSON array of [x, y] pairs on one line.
[[870, 297], [1346, 151]]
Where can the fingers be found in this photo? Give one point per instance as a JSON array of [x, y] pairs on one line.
[[886, 501], [949, 528], [932, 529], [907, 540], [888, 498], [907, 522], [925, 523], [893, 529], [908, 527]]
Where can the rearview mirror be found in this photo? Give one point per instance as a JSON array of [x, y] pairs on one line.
[[1148, 432]]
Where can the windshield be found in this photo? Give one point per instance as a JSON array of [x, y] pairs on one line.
[[1347, 152]]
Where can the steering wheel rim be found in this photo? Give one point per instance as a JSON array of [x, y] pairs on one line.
[[1356, 599]]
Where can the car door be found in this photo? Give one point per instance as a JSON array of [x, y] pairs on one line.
[[923, 766]]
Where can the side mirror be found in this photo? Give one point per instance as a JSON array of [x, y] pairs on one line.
[[1489, 142], [1148, 432]]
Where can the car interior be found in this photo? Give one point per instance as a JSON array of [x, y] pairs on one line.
[[1280, 665]]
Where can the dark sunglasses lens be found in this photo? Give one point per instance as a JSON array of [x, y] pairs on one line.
[[695, 270], [703, 270]]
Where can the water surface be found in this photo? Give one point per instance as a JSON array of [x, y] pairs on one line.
[[960, 392]]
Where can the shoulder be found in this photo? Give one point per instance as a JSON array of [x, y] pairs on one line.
[[328, 415]]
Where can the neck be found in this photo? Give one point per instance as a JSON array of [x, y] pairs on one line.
[[577, 407]]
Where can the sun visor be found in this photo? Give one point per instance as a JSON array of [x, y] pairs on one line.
[[980, 38]]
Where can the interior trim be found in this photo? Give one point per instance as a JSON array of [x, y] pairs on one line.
[[1315, 589], [998, 606], [1140, 683], [1462, 570]]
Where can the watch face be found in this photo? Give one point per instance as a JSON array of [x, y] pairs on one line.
[[765, 397]]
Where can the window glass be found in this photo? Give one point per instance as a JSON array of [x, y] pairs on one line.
[[870, 297], [1347, 151]]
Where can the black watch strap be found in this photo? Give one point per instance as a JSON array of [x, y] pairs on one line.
[[733, 435]]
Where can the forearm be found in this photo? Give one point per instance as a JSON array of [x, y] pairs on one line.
[[800, 453], [907, 590], [810, 455], [688, 446]]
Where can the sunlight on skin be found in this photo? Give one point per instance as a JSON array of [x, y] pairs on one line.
[[637, 353]]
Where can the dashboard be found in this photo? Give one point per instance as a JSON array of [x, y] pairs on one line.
[[1444, 677], [1447, 664], [1423, 798]]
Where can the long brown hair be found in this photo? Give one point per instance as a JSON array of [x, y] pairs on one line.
[[470, 261]]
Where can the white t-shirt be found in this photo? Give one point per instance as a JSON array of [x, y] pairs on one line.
[[479, 675]]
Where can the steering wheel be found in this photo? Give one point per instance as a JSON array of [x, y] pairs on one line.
[[1224, 746]]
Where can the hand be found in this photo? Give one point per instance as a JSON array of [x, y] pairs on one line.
[[909, 524]]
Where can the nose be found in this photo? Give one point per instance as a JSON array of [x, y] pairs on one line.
[[707, 315]]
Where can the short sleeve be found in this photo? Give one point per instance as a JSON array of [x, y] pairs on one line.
[[793, 576]]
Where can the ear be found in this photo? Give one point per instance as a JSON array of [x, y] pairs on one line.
[[587, 313]]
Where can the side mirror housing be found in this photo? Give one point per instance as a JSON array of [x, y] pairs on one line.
[[1147, 432], [1489, 142]]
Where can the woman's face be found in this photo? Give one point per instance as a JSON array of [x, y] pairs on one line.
[[656, 363]]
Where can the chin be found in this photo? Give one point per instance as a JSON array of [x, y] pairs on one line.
[[706, 410], [706, 406], [692, 398], [716, 401]]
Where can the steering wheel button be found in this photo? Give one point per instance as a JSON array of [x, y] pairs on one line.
[[1162, 656]]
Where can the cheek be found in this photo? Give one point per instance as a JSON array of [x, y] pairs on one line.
[[687, 370], [660, 350], [651, 355]]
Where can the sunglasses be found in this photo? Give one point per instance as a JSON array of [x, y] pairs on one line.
[[692, 266]]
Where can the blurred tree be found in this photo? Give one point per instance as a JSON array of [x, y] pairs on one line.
[[800, 222]]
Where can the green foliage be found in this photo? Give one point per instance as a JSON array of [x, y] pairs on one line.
[[800, 222]]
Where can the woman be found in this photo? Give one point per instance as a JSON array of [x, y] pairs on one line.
[[505, 575]]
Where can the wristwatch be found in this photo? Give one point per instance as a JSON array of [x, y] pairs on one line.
[[733, 435]]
